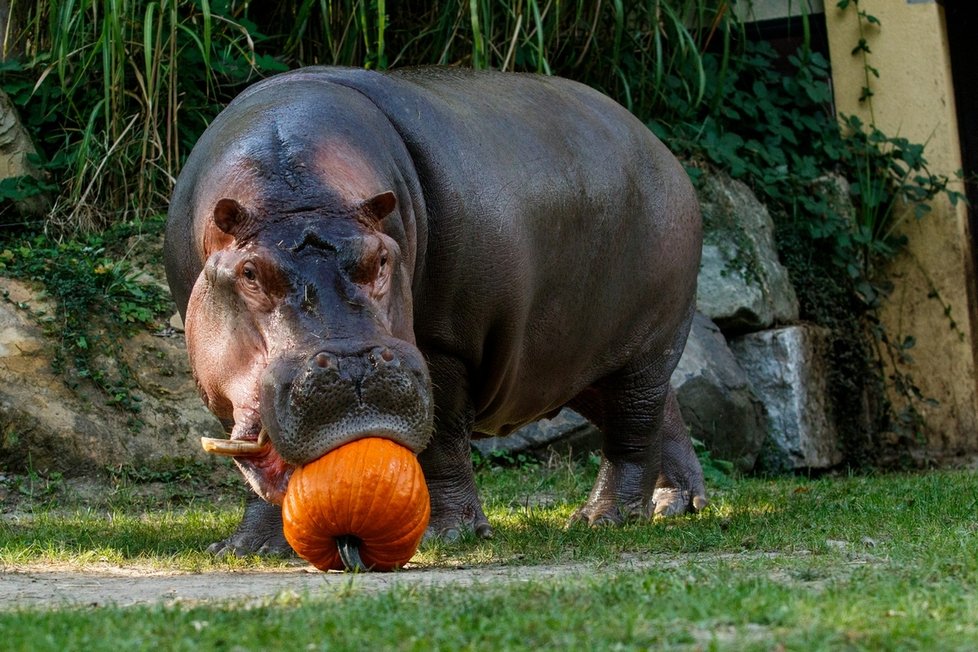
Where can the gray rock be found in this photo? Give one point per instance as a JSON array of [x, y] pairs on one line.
[[46, 425], [718, 404], [834, 190], [742, 286], [788, 368], [567, 434]]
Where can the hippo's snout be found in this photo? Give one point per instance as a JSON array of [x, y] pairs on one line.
[[314, 403]]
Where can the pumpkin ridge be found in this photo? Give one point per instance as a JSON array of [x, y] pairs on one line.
[[321, 519], [388, 551], [366, 519], [376, 525], [307, 531]]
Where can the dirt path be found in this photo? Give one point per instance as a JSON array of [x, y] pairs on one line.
[[47, 587]]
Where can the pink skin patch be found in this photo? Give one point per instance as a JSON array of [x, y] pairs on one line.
[[267, 474]]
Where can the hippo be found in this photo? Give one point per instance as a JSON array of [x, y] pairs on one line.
[[429, 255]]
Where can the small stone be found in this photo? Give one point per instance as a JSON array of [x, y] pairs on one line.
[[176, 322]]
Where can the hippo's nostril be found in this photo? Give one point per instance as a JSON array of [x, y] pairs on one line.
[[324, 360], [380, 355]]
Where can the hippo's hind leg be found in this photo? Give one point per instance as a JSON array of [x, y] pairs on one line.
[[648, 466], [260, 532], [680, 485], [447, 460]]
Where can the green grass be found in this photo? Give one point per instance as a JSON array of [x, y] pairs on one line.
[[867, 562]]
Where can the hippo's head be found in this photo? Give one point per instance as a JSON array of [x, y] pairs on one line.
[[300, 326]]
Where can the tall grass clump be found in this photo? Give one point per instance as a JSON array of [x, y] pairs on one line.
[[117, 91]]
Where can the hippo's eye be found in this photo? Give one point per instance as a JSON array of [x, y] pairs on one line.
[[383, 260], [250, 272]]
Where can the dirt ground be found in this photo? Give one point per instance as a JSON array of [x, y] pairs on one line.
[[47, 587], [94, 585]]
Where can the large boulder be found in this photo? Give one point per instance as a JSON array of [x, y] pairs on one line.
[[46, 425], [717, 401], [788, 368], [742, 285]]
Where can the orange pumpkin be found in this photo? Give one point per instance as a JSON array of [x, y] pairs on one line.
[[368, 495]]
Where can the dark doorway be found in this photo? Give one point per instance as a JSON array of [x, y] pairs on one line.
[[962, 23]]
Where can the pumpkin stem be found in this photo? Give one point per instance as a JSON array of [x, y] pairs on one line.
[[349, 549]]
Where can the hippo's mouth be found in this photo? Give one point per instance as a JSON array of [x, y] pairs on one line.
[[311, 405], [259, 462], [257, 447]]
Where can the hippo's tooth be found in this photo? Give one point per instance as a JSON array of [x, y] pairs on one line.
[[236, 447]]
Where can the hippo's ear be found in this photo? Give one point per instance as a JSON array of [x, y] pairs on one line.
[[228, 215], [379, 206]]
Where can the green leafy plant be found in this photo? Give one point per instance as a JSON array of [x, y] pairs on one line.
[[717, 473], [503, 458], [866, 22]]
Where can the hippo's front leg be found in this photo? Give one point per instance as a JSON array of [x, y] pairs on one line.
[[260, 532], [447, 461]]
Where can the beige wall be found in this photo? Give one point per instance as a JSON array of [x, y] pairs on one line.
[[914, 99]]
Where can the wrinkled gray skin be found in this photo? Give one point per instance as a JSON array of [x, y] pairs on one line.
[[432, 253]]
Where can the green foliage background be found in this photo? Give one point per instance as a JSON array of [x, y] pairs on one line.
[[116, 92]]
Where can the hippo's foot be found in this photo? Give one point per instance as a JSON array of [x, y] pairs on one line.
[[447, 461], [639, 482], [259, 533], [617, 497], [603, 513], [605, 508], [680, 487], [455, 514]]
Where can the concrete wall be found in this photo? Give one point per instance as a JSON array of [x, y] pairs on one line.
[[914, 98]]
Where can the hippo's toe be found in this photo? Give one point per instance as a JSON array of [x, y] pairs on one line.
[[452, 528], [259, 533], [455, 514], [243, 545]]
